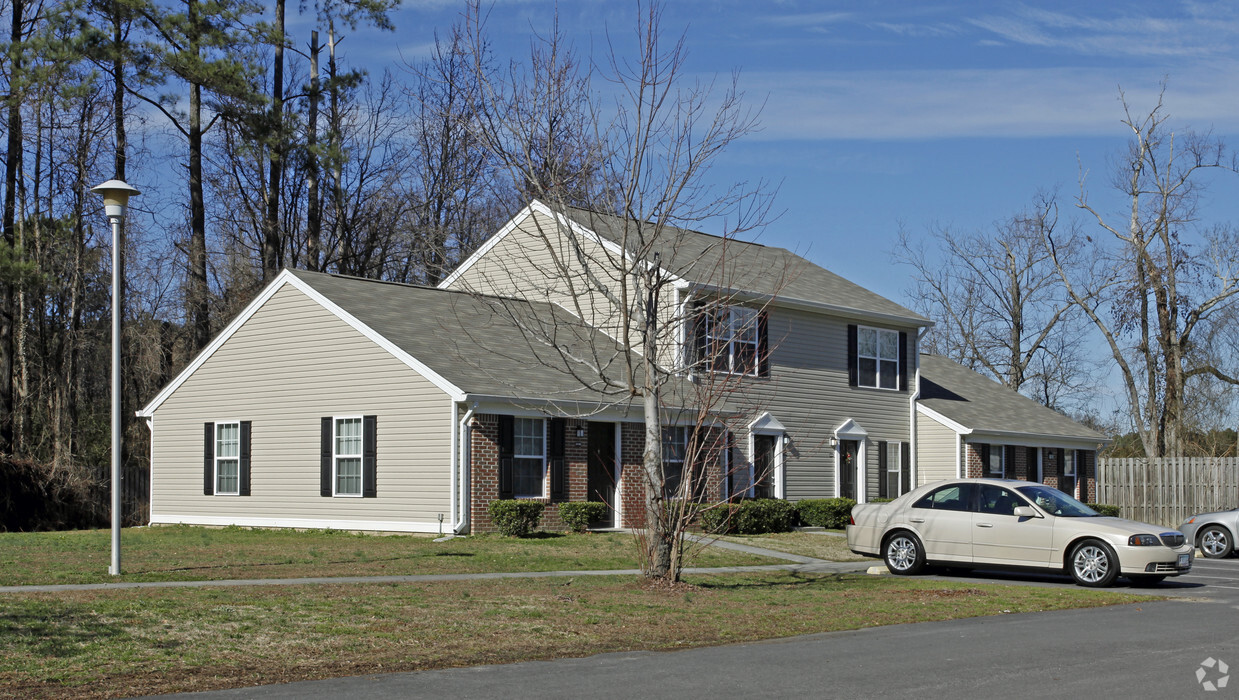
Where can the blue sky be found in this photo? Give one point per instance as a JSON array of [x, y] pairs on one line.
[[882, 114]]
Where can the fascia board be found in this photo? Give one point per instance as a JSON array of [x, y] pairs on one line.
[[958, 427], [411, 362], [262, 298], [1037, 439], [488, 245], [816, 306], [287, 278]]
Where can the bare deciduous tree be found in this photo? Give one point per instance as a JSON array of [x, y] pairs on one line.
[[639, 159], [1159, 284]]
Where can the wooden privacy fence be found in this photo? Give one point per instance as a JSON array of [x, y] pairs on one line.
[[1168, 490]]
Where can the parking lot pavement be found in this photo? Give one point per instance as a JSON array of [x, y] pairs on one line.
[[1214, 579]]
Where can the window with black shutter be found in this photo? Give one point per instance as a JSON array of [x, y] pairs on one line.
[[506, 440], [556, 428]]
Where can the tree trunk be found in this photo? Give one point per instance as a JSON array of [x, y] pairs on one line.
[[314, 214], [272, 245], [12, 163], [198, 302]]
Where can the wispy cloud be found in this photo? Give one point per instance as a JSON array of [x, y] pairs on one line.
[[1008, 103], [1171, 29]]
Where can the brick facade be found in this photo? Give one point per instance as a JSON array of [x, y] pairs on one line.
[[484, 473], [1086, 469]]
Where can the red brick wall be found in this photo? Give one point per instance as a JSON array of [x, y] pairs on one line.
[[484, 473], [973, 466], [1086, 471]]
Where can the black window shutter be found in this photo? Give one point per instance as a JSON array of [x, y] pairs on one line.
[[903, 361], [208, 459], [1008, 462], [763, 344], [730, 464], [555, 456], [507, 450], [1030, 464], [882, 457], [852, 354], [985, 459], [1059, 462], [324, 480], [905, 467], [244, 468], [369, 455]]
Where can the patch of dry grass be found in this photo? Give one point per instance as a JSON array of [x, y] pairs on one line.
[[182, 553], [806, 544], [120, 643]]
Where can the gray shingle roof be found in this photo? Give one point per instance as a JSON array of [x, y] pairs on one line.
[[750, 267], [984, 405], [474, 342]]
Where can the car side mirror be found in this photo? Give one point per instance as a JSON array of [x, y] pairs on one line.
[[1026, 512]]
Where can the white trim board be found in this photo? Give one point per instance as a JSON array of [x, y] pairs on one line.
[[286, 277], [299, 523]]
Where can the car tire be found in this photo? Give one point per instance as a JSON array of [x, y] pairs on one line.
[[1093, 564], [903, 553], [1215, 542], [1146, 581]]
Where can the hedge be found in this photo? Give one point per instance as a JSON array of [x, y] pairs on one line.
[[830, 513], [579, 514], [515, 518], [1106, 509]]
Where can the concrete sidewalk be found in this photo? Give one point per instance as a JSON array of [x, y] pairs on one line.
[[802, 564]]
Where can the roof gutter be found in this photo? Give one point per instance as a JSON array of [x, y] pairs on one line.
[[808, 305]]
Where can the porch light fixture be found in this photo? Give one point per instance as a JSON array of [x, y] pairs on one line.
[[116, 194], [580, 430], [834, 441]]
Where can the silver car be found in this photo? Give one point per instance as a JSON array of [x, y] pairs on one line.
[[993, 523], [1213, 533]]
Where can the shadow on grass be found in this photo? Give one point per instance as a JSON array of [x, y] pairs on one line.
[[792, 579], [60, 634]]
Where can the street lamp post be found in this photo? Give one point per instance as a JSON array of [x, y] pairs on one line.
[[116, 194]]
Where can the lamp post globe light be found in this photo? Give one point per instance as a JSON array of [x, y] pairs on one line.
[[116, 194]]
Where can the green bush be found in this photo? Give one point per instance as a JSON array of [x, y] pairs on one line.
[[763, 515], [720, 519], [579, 514], [515, 518], [830, 513], [1106, 509]]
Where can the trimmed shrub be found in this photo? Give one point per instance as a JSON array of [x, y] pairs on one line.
[[830, 513], [763, 515], [579, 514], [719, 519], [1106, 509], [515, 518]]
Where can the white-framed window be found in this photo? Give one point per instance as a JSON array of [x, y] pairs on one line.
[[731, 339], [529, 457], [877, 358], [346, 456], [993, 456], [675, 451], [228, 458]]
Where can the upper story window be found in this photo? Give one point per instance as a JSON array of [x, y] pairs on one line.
[[877, 358], [730, 339]]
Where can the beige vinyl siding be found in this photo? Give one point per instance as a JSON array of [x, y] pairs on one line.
[[540, 261], [936, 447], [290, 364], [807, 391]]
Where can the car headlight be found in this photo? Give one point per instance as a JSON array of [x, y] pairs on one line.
[[1143, 541]]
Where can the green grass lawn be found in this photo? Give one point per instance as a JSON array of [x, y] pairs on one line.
[[95, 644], [183, 553], [806, 544]]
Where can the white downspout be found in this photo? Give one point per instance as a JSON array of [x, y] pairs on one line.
[[913, 466], [460, 516]]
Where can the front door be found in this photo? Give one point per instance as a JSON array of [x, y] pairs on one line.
[[763, 466], [601, 476], [849, 453]]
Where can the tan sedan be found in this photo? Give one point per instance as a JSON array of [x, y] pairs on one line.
[[996, 523]]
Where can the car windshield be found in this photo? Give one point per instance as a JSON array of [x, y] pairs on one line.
[[1055, 502]]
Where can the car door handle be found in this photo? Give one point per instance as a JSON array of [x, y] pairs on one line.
[[985, 524], [917, 520]]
